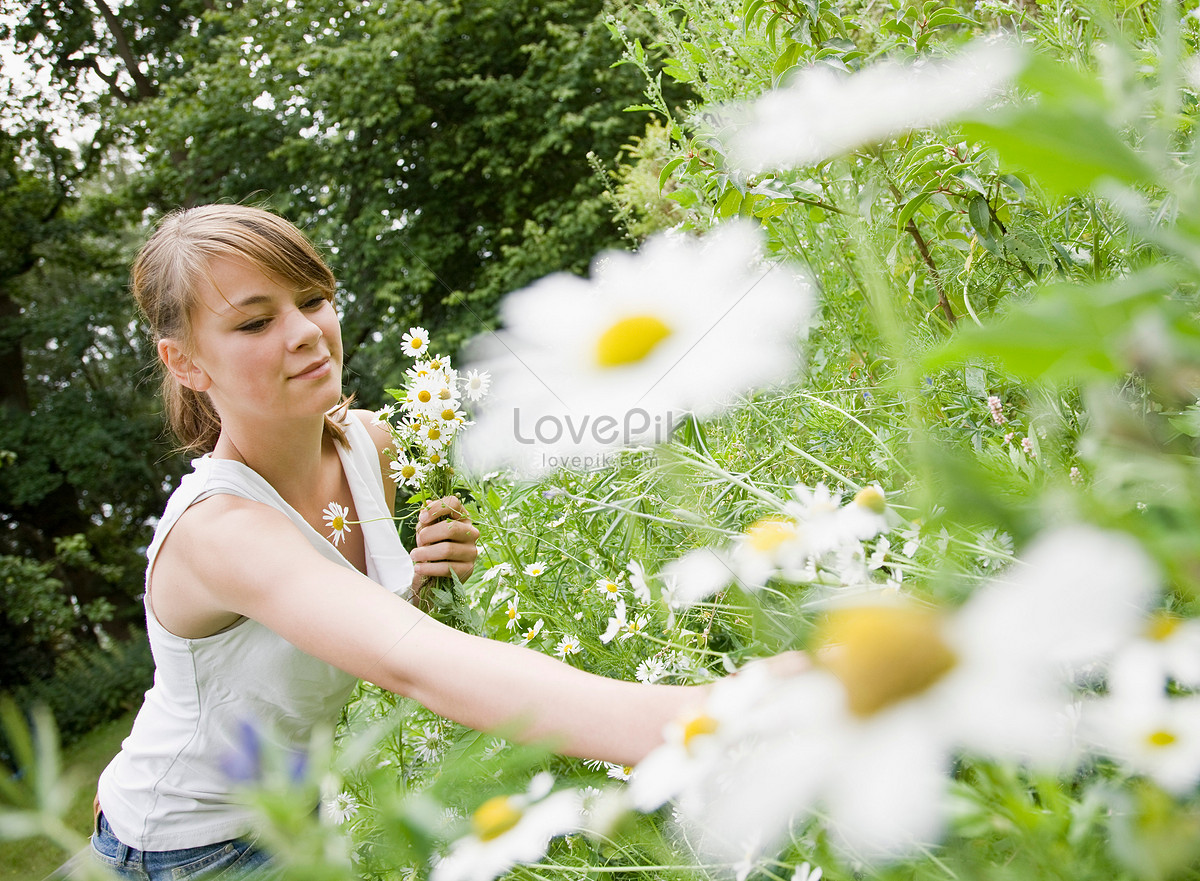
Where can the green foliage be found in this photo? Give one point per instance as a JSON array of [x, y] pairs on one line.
[[113, 678]]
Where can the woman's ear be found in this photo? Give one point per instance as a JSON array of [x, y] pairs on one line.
[[181, 366]]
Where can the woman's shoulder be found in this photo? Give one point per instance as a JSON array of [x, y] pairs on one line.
[[376, 430]]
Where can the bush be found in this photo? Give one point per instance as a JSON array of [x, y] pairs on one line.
[[89, 687]]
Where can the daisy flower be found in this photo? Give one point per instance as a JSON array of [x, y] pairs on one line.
[[342, 807], [823, 112], [415, 342], [424, 396], [899, 689], [512, 613], [1146, 730], [1169, 645], [494, 572], [407, 471], [477, 384], [568, 645], [531, 634], [618, 772], [616, 623], [335, 519], [534, 569], [512, 829], [429, 742], [649, 336], [609, 588]]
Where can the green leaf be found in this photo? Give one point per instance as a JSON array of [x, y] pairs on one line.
[[1069, 333], [665, 174], [729, 204], [911, 207], [1029, 246], [980, 214], [1068, 151]]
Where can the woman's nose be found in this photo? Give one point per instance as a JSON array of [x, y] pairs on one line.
[[302, 330]]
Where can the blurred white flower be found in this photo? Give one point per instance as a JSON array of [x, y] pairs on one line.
[[535, 569], [1169, 646], [429, 742], [823, 112], [900, 689], [698, 574], [695, 744], [684, 325], [512, 829], [476, 384], [1148, 731], [637, 581], [616, 623], [494, 572], [342, 807], [807, 872]]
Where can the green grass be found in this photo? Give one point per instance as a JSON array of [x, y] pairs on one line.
[[34, 859]]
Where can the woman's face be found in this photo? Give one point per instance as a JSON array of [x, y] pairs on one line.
[[262, 350]]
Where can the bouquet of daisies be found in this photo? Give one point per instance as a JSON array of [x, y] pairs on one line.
[[424, 421]]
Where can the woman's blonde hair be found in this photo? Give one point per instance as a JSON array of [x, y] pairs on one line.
[[174, 264]]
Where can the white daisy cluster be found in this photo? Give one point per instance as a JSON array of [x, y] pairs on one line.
[[898, 688], [813, 537], [431, 411]]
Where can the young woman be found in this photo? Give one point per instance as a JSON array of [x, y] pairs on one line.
[[254, 616]]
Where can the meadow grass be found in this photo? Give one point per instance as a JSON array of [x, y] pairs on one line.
[[34, 859]]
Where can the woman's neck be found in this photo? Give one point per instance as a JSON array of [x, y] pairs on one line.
[[289, 458]]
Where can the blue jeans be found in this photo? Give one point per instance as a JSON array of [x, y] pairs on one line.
[[226, 860]]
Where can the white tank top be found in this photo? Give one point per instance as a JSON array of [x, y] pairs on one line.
[[171, 787]]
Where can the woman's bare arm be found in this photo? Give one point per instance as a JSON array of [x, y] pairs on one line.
[[252, 560]]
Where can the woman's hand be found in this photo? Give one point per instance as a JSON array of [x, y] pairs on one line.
[[446, 541]]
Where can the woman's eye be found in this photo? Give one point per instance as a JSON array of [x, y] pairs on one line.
[[253, 326], [314, 303]]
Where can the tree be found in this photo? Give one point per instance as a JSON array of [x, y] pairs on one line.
[[437, 150]]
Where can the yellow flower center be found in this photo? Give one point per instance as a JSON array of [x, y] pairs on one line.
[[872, 499], [883, 654], [417, 343], [767, 534], [630, 340], [1161, 625], [512, 613], [444, 394], [433, 433], [612, 587], [494, 817], [424, 396], [698, 726], [339, 523], [1160, 738], [408, 471], [435, 458], [448, 414]]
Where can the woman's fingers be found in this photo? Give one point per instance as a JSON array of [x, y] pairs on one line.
[[446, 540]]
